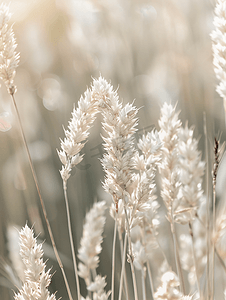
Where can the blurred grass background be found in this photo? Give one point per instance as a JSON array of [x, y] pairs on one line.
[[153, 50]]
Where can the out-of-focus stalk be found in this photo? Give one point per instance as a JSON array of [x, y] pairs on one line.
[[41, 200], [195, 260], [9, 61]]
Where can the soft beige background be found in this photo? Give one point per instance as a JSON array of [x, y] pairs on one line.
[[154, 51]]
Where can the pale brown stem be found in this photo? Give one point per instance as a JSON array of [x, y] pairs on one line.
[[220, 259], [177, 257], [113, 260], [216, 252], [41, 200], [123, 269], [125, 277], [207, 209], [130, 252], [213, 242], [71, 239], [143, 276], [150, 279]]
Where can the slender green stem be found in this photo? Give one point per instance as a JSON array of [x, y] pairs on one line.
[[71, 239], [113, 260], [41, 200]]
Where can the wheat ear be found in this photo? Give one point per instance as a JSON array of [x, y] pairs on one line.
[[75, 137]]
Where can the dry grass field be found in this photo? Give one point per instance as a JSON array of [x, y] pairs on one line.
[[130, 176]]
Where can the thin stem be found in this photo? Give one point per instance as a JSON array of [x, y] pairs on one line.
[[198, 218], [130, 252], [160, 247], [148, 265], [143, 283], [94, 274], [123, 268], [125, 277], [216, 252], [213, 242], [41, 200], [195, 260], [71, 239], [217, 157], [113, 260], [177, 258], [207, 208], [150, 280], [88, 281], [220, 259]]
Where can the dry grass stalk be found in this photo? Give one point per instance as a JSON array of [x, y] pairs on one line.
[[76, 135], [9, 61], [218, 153], [169, 130], [119, 125]]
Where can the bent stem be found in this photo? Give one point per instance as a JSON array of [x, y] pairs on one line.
[[40, 198], [71, 239]]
